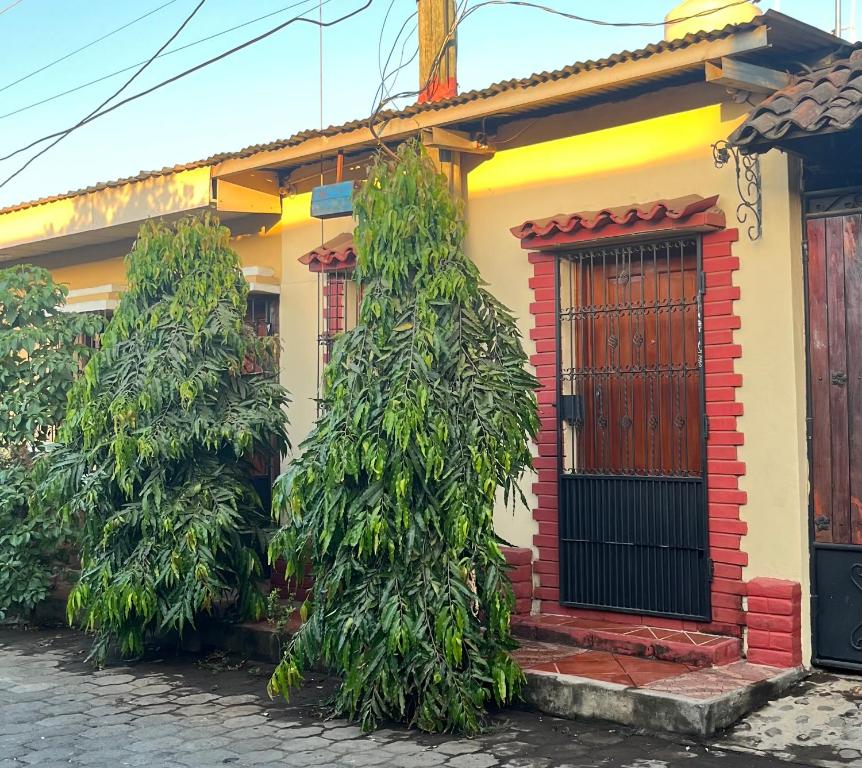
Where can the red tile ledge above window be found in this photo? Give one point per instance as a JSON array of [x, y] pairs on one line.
[[337, 253], [691, 213]]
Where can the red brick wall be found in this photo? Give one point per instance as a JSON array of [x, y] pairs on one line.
[[723, 408], [774, 622], [521, 575], [544, 311]]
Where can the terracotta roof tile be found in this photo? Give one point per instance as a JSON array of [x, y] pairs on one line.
[[462, 98], [678, 208], [828, 99], [337, 253]]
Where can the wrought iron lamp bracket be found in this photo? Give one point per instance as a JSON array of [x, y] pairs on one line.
[[748, 185]]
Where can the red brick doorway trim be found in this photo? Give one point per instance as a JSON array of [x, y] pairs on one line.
[[723, 408]]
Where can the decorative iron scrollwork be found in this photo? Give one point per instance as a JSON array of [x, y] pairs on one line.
[[748, 185], [821, 523]]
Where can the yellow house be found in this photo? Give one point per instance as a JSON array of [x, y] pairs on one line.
[[658, 277]]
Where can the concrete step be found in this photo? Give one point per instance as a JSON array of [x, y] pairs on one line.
[[698, 703], [695, 649]]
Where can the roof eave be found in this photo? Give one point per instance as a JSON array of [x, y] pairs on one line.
[[583, 84]]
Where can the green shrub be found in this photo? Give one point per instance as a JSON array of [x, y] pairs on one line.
[[154, 454], [427, 411], [40, 356]]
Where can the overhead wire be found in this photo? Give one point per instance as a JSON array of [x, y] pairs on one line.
[[196, 68], [10, 6], [110, 98], [162, 55], [86, 46]]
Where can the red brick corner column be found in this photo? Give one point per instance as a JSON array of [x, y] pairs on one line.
[[775, 622], [520, 561]]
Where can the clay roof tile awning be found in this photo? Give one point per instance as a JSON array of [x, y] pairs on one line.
[[334, 254], [826, 100], [690, 212]]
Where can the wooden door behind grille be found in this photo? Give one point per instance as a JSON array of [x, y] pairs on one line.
[[633, 512]]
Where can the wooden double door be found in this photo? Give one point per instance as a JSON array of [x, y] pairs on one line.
[[834, 283]]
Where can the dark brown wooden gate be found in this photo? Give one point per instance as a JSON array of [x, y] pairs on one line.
[[834, 283], [633, 523]]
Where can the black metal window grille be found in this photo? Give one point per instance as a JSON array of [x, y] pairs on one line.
[[632, 495], [632, 360]]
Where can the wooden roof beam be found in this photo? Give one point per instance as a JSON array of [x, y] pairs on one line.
[[742, 76]]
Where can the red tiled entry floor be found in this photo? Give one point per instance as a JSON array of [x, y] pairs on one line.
[[694, 649], [631, 671]]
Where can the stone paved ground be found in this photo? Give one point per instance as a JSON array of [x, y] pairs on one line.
[[819, 723], [181, 712]]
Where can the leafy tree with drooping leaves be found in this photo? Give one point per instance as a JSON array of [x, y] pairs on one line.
[[427, 412], [155, 451], [41, 353]]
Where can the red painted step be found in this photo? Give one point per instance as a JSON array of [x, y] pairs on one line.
[[695, 649]]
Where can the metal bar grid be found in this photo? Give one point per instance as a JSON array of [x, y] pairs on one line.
[[633, 531]]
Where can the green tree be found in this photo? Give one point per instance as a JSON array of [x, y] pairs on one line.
[[154, 454], [40, 356], [427, 411]]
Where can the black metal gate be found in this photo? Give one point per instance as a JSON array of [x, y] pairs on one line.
[[833, 282], [632, 520]]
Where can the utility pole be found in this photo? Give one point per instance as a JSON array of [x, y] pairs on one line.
[[837, 18], [437, 81], [437, 77], [437, 50]]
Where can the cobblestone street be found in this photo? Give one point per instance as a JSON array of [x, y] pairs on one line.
[[192, 713]]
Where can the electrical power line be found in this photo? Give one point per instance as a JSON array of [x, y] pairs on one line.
[[193, 43], [464, 12], [87, 45], [190, 71], [10, 6], [110, 98]]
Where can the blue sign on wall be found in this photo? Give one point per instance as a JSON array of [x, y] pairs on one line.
[[332, 200]]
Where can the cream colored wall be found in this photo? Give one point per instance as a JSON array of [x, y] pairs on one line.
[[297, 234], [774, 392], [645, 155]]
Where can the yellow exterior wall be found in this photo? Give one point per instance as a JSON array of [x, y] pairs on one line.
[[91, 274], [132, 202], [259, 250]]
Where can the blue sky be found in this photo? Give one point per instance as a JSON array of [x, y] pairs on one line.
[[265, 92]]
